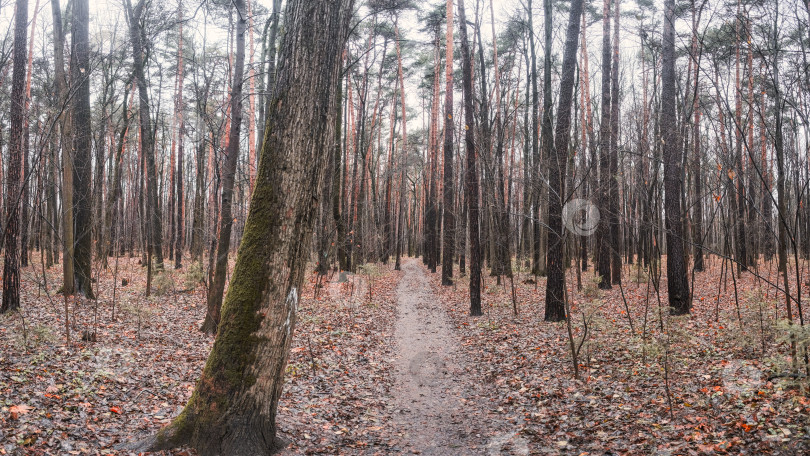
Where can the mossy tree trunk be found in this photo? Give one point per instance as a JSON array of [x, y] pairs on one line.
[[233, 408]]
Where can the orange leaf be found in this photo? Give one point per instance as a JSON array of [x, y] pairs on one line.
[[115, 410], [17, 410]]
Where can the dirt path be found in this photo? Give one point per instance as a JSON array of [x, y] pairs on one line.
[[431, 411]]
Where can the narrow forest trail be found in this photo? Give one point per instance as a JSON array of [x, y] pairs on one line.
[[432, 415]]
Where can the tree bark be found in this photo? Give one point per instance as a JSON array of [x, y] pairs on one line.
[[603, 235], [233, 408], [153, 214], [11, 234], [449, 222], [82, 136], [471, 173], [555, 292], [677, 284], [217, 289], [613, 179]]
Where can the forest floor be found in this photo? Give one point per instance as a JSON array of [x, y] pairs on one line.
[[389, 362]]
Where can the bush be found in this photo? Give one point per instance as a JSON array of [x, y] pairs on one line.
[[194, 276], [162, 283]]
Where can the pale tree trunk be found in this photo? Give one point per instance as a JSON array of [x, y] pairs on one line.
[[555, 292], [228, 176], [11, 234], [244, 374]]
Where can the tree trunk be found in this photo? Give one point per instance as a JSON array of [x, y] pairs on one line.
[[449, 222], [613, 179], [603, 235], [153, 215], [80, 83], [555, 292], [677, 284], [181, 130], [472, 175], [11, 264], [233, 408], [67, 160], [217, 289]]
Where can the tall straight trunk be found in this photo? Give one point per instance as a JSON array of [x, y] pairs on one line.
[[767, 182], [696, 171], [555, 292], [677, 283], [471, 189], [24, 215], [153, 215], [432, 218], [181, 130], [535, 165], [337, 190], [67, 161], [217, 289], [110, 213], [547, 133], [615, 228], [244, 374], [742, 254], [587, 137], [197, 238], [781, 191], [82, 138], [24, 193], [11, 233], [449, 228], [503, 259], [604, 245]]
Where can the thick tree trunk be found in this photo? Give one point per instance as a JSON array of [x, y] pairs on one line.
[[11, 264], [677, 284], [82, 136], [555, 292], [233, 408]]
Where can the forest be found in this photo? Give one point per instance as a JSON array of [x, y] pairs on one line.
[[447, 227]]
